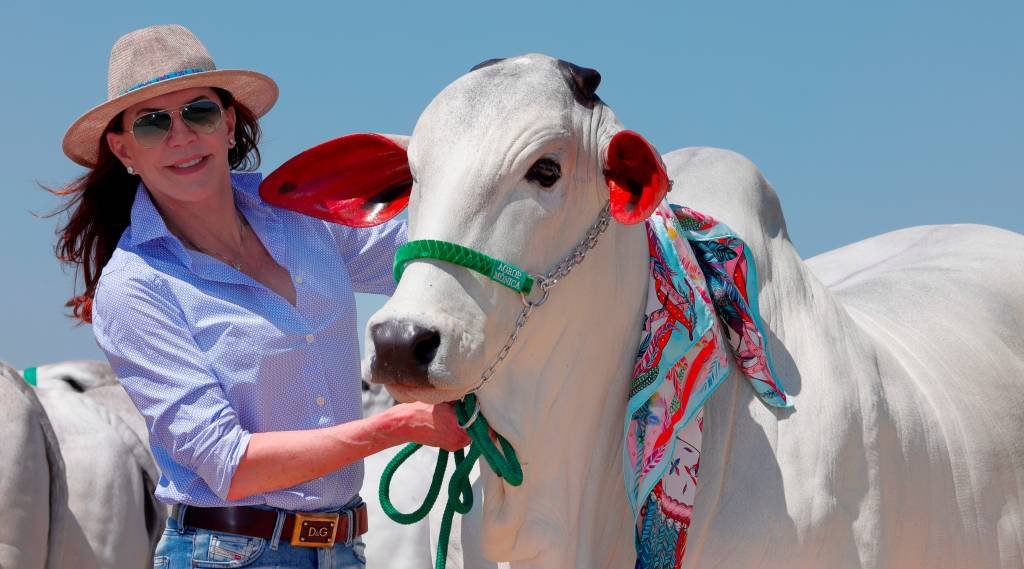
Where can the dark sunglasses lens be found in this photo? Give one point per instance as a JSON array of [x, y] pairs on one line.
[[150, 129], [203, 116]]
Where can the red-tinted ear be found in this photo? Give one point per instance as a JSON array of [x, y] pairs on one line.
[[636, 177], [358, 180]]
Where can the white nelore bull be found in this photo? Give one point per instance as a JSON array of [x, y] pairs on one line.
[[903, 353]]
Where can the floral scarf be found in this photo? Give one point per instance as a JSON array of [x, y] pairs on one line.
[[701, 322]]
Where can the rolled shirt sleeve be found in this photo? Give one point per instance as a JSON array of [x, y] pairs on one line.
[[149, 346], [369, 254]]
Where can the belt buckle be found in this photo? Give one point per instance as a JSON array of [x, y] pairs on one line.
[[315, 530]]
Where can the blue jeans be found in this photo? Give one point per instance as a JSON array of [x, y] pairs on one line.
[[192, 547]]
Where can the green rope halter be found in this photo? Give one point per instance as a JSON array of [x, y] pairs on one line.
[[500, 272], [30, 376]]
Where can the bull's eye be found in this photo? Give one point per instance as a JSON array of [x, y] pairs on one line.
[[545, 172]]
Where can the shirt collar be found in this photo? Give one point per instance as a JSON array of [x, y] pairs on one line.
[[147, 224]]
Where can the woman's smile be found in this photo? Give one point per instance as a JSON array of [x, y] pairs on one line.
[[190, 165]]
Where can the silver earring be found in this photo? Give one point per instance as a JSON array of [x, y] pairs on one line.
[[231, 143], [131, 171]]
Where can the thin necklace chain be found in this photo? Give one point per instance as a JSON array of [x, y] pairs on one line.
[[236, 264]]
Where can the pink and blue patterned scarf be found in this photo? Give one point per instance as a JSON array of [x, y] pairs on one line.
[[701, 322]]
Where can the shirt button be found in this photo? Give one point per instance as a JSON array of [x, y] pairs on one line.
[[321, 400], [298, 279], [310, 338]]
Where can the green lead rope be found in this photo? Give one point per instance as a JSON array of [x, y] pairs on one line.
[[499, 271], [503, 462]]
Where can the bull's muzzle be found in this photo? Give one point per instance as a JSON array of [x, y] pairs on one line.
[[403, 352]]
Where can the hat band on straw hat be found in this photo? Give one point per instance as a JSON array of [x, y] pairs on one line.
[[164, 77]]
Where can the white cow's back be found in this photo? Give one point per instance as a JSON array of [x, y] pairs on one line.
[[99, 510], [107, 487], [905, 359], [33, 489], [945, 305]]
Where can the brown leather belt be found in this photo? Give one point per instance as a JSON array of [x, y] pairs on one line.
[[302, 529]]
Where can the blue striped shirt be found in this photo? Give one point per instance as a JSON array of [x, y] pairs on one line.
[[210, 355]]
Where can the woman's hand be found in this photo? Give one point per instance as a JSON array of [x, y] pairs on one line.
[[431, 425]]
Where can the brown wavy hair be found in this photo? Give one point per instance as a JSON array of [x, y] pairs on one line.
[[99, 203]]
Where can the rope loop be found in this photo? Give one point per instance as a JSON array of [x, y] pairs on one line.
[[503, 462], [435, 485]]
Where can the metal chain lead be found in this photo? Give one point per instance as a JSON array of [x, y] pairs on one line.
[[547, 282], [575, 257]]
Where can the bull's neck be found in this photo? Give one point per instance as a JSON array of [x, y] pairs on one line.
[[571, 510], [742, 437]]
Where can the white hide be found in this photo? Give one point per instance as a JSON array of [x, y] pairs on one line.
[[903, 354], [33, 488], [103, 513]]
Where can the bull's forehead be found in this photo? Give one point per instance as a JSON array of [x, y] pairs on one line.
[[504, 106]]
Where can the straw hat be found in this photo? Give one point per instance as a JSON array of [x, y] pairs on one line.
[[153, 61]]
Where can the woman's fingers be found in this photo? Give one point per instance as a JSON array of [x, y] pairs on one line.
[[451, 436], [433, 425]]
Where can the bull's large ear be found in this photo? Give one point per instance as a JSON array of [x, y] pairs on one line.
[[636, 177], [358, 180]]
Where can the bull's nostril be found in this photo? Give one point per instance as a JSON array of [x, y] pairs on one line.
[[425, 347], [403, 352]]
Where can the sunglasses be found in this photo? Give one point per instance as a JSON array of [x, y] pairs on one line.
[[201, 116]]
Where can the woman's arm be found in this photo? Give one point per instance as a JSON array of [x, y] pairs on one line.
[[283, 459], [145, 338]]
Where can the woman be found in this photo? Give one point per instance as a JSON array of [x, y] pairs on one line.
[[231, 324]]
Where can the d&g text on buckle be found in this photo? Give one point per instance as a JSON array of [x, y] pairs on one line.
[[315, 530]]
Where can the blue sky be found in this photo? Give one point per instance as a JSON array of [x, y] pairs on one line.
[[865, 116]]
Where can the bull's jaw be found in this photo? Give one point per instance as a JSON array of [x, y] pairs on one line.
[[431, 395]]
